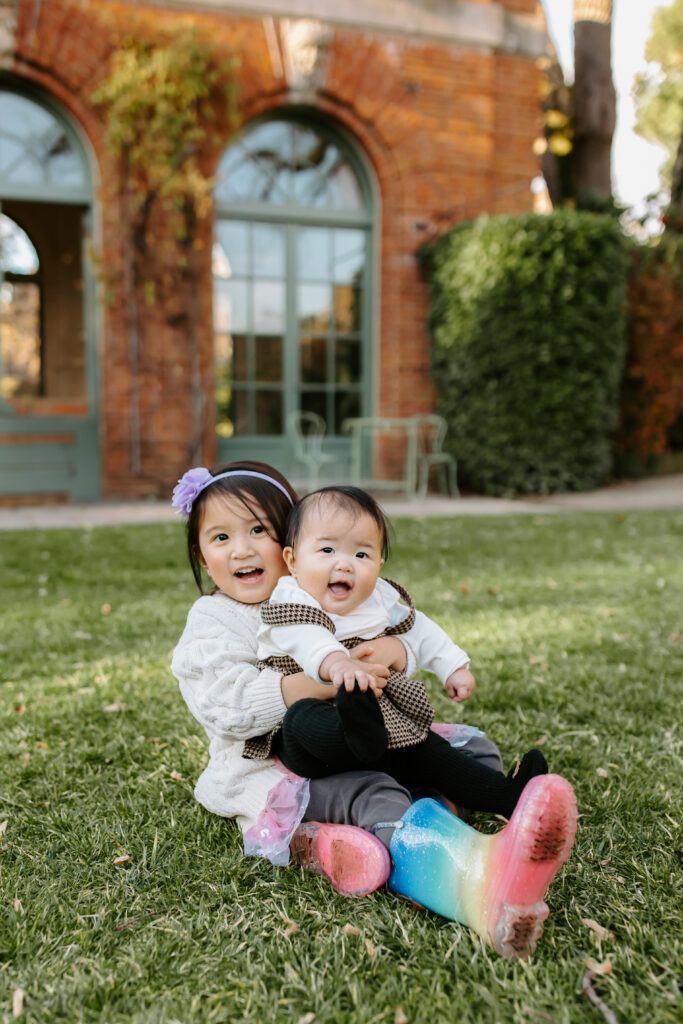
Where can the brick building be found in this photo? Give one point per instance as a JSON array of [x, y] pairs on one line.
[[361, 133]]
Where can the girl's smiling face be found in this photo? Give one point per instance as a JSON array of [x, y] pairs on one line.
[[237, 550]]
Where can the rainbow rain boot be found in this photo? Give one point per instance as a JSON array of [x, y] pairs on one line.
[[353, 860], [494, 884]]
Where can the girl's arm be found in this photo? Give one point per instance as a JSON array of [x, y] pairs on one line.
[[215, 664], [433, 648]]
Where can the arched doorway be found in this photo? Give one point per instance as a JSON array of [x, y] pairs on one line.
[[48, 412], [292, 268]]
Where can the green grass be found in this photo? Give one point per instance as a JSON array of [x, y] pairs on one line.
[[574, 624]]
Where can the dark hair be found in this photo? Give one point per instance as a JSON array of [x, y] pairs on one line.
[[253, 493], [350, 499]]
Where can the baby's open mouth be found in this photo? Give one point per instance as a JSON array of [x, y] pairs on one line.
[[340, 588], [248, 574]]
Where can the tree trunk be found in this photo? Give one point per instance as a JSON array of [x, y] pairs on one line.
[[594, 98], [675, 209]]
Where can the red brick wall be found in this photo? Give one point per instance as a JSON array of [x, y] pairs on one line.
[[447, 129]]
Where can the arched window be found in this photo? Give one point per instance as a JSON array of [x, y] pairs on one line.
[[291, 265], [44, 192]]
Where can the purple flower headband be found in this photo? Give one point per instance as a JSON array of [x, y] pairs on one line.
[[192, 483]]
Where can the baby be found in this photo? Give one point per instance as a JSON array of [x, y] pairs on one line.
[[336, 546]]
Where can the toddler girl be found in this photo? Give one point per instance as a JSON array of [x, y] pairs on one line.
[[494, 884]]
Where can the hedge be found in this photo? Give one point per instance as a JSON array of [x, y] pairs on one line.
[[527, 328]]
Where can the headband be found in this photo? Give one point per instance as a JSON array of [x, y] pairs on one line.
[[192, 483]]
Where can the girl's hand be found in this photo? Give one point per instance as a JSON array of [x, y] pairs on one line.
[[299, 685], [387, 650], [460, 684]]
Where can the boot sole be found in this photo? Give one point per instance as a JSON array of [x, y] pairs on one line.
[[353, 861], [535, 844]]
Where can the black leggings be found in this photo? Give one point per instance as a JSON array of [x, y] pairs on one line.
[[313, 743]]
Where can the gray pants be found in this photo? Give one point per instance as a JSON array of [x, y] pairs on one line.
[[365, 798]]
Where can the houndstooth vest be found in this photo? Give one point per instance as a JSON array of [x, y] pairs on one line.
[[405, 706]]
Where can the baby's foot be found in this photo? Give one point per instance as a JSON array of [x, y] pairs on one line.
[[363, 724], [524, 859]]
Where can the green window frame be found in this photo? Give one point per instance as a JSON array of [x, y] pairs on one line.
[[293, 257]]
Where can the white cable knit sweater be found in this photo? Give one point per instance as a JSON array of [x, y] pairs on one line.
[[215, 664]]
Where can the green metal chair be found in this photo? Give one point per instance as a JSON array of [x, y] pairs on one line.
[[431, 431], [306, 431]]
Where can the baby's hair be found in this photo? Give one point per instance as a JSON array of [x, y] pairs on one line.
[[350, 499], [260, 497]]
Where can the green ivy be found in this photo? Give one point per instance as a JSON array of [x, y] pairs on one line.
[[527, 328]]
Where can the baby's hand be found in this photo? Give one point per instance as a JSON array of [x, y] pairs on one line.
[[343, 670], [460, 684]]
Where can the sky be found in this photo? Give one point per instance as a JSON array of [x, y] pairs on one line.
[[635, 162]]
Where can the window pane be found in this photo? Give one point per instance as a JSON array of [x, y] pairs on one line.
[[269, 307], [347, 361], [315, 401], [344, 188], [268, 358], [233, 239], [346, 404], [238, 412], [17, 252], [230, 306], [240, 366], [20, 320], [313, 360], [269, 250], [315, 246], [34, 147], [349, 256], [347, 307], [314, 307], [268, 412]]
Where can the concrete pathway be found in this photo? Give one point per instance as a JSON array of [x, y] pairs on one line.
[[663, 492]]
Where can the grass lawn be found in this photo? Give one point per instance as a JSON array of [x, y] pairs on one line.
[[123, 900]]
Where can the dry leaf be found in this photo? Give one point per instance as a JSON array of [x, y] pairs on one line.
[[105, 609], [602, 772], [292, 930], [43, 744], [122, 859], [464, 589], [17, 1002], [494, 590], [3, 827], [19, 709], [350, 929], [176, 775], [307, 1018], [604, 968], [18, 906], [113, 707], [399, 1016], [372, 950], [541, 741], [602, 933]]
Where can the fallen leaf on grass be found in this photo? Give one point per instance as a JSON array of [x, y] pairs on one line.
[[464, 589], [372, 950], [399, 1016], [493, 590], [350, 929], [292, 930], [602, 933], [80, 635], [307, 1018], [19, 709], [105, 609], [18, 906], [541, 741], [17, 1002], [122, 859], [176, 775], [602, 772], [598, 969], [3, 827], [113, 707]]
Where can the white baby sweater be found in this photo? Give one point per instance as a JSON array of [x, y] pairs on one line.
[[215, 664], [431, 648]]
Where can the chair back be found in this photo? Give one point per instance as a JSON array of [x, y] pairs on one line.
[[431, 431], [305, 431]]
